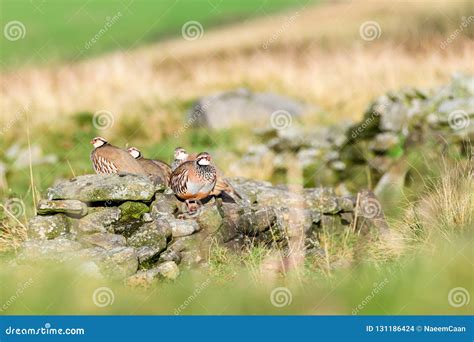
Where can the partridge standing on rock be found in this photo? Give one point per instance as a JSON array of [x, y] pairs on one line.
[[222, 185], [194, 180], [108, 159], [157, 170]]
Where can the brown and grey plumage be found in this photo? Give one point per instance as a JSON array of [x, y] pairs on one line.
[[157, 170], [194, 180], [109, 159], [222, 184]]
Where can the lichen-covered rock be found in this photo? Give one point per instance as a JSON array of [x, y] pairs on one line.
[[56, 250], [119, 262], [150, 239], [48, 227], [323, 200], [181, 228], [70, 207], [132, 210], [99, 220], [103, 188], [208, 218], [103, 240], [164, 204], [167, 270]]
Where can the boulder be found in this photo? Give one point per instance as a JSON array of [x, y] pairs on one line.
[[103, 188], [241, 106], [70, 207], [48, 227]]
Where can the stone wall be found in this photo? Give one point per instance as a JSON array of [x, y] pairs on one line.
[[124, 227]]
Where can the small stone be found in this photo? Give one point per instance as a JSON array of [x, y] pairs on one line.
[[170, 255], [164, 204], [168, 270], [346, 204], [181, 228], [70, 207], [322, 199], [384, 142], [48, 227]]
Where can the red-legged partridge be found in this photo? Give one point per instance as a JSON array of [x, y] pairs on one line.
[[222, 184], [158, 171], [109, 159], [194, 180]]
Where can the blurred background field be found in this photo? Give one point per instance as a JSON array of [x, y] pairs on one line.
[[144, 71]]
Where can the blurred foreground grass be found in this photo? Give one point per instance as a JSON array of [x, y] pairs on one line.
[[418, 283]]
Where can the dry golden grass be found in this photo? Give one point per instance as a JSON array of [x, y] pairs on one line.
[[318, 56]]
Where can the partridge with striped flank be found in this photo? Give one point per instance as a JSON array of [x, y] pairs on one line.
[[109, 159], [222, 184], [194, 180], [158, 171]]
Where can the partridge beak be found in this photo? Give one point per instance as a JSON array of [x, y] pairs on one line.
[[92, 142]]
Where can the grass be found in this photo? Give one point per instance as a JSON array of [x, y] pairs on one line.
[[60, 30]]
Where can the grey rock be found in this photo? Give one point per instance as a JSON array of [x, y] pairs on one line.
[[170, 255], [167, 270], [99, 220], [181, 228], [119, 262], [153, 235], [323, 200], [242, 106], [70, 207], [103, 240], [48, 227], [164, 204], [57, 250], [102, 188]]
